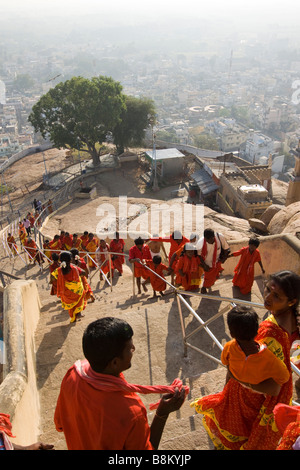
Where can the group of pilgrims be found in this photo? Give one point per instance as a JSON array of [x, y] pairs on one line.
[[253, 411], [192, 263]]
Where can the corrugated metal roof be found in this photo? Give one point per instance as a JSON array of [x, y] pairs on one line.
[[204, 181]]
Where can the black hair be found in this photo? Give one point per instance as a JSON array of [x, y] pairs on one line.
[[254, 241], [65, 256], [55, 257], [156, 259], [74, 252], [242, 323], [139, 241], [103, 340], [208, 233], [289, 282]]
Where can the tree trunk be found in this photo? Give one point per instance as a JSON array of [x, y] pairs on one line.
[[95, 157]]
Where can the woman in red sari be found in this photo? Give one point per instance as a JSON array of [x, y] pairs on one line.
[[70, 287], [241, 417], [244, 270]]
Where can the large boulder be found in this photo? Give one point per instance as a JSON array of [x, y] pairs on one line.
[[270, 212], [287, 220], [258, 225]]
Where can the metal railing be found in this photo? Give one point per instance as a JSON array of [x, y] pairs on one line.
[[203, 324]]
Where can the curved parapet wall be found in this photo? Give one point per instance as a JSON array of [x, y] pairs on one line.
[[18, 392]]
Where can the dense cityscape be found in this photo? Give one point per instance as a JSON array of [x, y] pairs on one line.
[[218, 88]]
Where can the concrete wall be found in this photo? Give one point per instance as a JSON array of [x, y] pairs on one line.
[[18, 392], [277, 252]]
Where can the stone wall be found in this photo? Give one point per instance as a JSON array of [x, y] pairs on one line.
[[18, 392]]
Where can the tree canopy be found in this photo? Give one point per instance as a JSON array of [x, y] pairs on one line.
[[130, 130], [80, 112]]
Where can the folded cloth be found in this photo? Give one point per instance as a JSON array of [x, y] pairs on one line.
[[110, 383]]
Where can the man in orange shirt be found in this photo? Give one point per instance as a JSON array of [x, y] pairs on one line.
[[90, 415], [138, 254]]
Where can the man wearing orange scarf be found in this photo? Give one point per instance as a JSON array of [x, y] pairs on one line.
[[209, 249], [97, 409]]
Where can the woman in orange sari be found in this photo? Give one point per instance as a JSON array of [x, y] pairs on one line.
[[241, 417], [70, 288], [244, 270]]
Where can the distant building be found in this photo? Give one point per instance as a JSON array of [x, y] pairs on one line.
[[238, 196], [2, 92], [237, 188], [258, 145], [166, 162], [230, 134]]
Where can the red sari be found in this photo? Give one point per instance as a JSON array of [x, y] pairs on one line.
[[244, 270], [239, 418]]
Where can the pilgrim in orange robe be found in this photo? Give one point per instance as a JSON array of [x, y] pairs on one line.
[[244, 270], [117, 246], [157, 283], [191, 267], [12, 243]]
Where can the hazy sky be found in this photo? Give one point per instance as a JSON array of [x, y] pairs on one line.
[[274, 10]]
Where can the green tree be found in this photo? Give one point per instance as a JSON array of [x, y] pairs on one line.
[[130, 130], [79, 113], [206, 141]]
